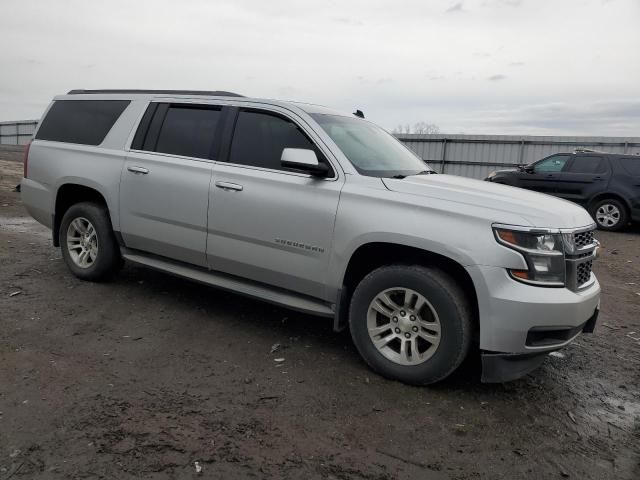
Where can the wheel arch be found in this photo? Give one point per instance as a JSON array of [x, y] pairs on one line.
[[69, 194], [369, 256], [606, 195]]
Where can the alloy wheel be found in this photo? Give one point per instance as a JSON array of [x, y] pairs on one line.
[[403, 326], [607, 215], [82, 242]]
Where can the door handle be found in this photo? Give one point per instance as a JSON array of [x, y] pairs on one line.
[[229, 186], [138, 170]]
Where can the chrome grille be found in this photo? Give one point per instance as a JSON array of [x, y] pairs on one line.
[[579, 259], [583, 272], [582, 239]]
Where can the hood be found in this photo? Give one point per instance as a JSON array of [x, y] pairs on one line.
[[500, 202], [505, 170]]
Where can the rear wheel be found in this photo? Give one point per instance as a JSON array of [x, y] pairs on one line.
[[89, 247], [411, 323], [610, 214]]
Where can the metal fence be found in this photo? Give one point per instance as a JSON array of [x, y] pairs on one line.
[[476, 156], [17, 133]]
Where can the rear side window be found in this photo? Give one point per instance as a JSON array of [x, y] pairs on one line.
[[259, 138], [587, 164], [86, 122], [186, 130], [631, 165]]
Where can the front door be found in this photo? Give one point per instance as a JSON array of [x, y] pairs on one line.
[[268, 223], [543, 176], [164, 189]]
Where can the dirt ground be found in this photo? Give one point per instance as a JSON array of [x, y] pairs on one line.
[[149, 374]]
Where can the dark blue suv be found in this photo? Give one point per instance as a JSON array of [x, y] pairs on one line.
[[606, 184]]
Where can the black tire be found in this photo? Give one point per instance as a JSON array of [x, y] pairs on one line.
[[108, 259], [623, 216], [448, 300]]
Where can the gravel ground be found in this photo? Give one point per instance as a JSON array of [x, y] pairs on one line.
[[149, 374]]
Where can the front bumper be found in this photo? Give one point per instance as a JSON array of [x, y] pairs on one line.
[[504, 367], [520, 324]]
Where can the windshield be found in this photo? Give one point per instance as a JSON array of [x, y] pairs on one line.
[[371, 150]]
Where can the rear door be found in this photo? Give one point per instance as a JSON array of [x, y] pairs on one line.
[[584, 177], [268, 223], [164, 189], [544, 175]]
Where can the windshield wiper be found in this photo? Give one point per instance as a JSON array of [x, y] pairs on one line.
[[423, 172]]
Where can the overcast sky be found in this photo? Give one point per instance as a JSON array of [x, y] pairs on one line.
[[486, 66]]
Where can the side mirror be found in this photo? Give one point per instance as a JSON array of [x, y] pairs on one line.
[[303, 159]]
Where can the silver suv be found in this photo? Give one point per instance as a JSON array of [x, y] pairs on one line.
[[318, 211]]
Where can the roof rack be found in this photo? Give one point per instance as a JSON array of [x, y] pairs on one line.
[[215, 93], [587, 150]]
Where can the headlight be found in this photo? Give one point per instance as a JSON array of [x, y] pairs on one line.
[[543, 252]]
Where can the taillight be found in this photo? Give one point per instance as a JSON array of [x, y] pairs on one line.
[[26, 159]]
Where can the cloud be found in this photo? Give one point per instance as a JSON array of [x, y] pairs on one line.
[[348, 21], [400, 64], [601, 118], [501, 3]]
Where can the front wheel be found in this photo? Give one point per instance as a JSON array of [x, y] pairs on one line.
[[411, 323], [89, 247]]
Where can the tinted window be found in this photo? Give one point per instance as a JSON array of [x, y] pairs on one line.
[[188, 131], [143, 128], [85, 122], [259, 139], [585, 164], [631, 165], [551, 164]]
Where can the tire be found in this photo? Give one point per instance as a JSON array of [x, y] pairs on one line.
[[443, 302], [610, 214], [101, 262]]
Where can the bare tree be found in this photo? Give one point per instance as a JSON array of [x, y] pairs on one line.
[[418, 127], [424, 127]]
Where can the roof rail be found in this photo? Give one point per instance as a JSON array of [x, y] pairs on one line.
[[216, 93]]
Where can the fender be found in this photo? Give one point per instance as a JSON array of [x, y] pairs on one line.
[[112, 204]]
